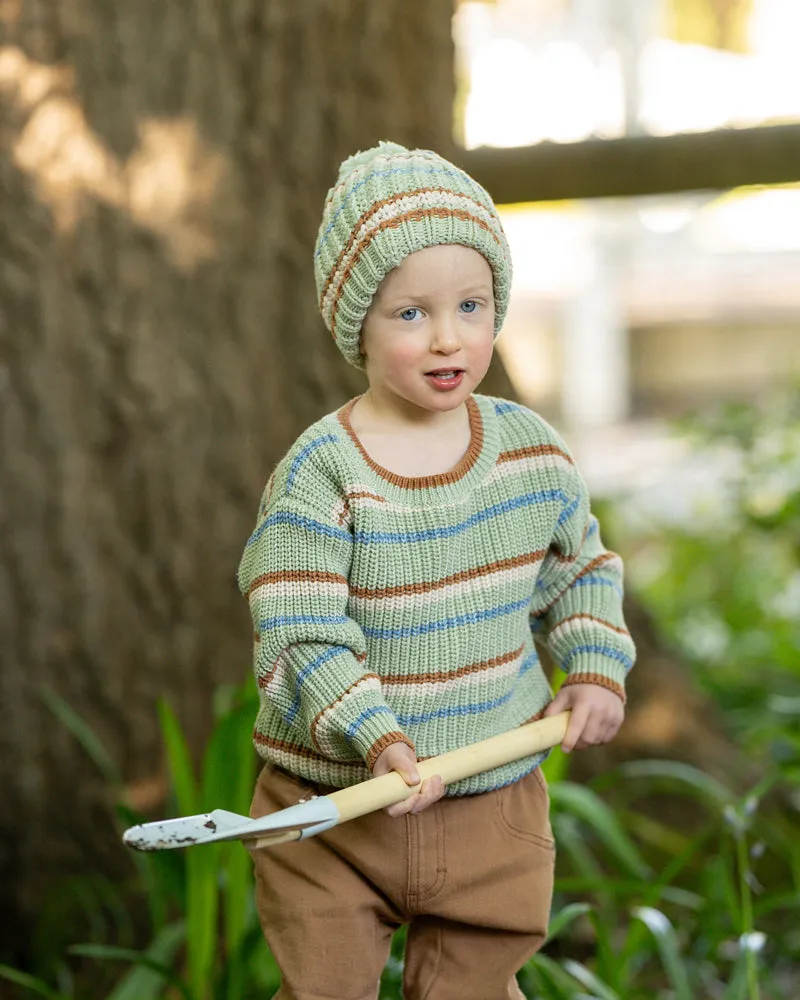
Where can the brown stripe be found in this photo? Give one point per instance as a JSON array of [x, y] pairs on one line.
[[588, 568], [533, 451], [373, 210], [422, 482], [591, 618], [342, 696], [359, 496], [599, 680], [414, 216], [296, 576], [385, 741], [435, 678], [273, 744], [429, 586]]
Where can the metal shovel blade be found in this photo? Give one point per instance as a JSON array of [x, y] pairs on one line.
[[206, 828]]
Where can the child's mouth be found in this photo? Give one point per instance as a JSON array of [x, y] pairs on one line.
[[445, 378]]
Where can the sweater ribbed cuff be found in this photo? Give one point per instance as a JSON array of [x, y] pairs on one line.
[[385, 741], [600, 680]]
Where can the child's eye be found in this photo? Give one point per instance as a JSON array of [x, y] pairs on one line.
[[470, 306], [410, 314]]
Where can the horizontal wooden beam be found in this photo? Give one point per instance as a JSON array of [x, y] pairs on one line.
[[637, 165]]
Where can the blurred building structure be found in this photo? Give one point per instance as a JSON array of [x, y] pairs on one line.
[[628, 311]]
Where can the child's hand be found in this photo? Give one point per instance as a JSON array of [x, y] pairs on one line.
[[597, 714], [401, 758]]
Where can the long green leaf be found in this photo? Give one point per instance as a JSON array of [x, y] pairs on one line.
[[144, 982], [202, 910], [587, 978], [591, 810], [180, 761], [113, 954], [664, 933], [565, 917], [29, 983], [693, 779], [84, 734]]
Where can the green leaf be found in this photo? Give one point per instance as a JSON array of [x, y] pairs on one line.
[[180, 761], [146, 982], [30, 983], [84, 735], [590, 808], [664, 933], [588, 979], [703, 785], [104, 951], [565, 917]]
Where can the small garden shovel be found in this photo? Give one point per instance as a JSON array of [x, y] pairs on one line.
[[324, 811]]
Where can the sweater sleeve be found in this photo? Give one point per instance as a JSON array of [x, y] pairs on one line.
[[310, 656], [578, 609]]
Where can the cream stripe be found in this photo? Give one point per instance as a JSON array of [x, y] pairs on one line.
[[298, 589], [408, 203], [321, 738], [582, 625], [396, 602], [437, 688], [529, 464]]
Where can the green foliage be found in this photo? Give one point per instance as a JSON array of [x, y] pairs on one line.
[[724, 588]]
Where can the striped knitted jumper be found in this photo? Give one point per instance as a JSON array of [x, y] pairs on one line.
[[389, 608]]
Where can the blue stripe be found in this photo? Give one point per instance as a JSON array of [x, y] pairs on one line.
[[298, 521], [446, 713], [609, 651], [472, 618], [568, 511], [596, 581], [303, 454], [383, 173], [266, 623], [504, 406], [307, 670], [526, 500], [359, 720], [474, 708]]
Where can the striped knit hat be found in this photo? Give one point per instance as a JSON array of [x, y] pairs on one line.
[[389, 202]]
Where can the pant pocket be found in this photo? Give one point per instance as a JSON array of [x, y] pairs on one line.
[[523, 810]]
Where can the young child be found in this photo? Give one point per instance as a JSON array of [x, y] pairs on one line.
[[410, 551]]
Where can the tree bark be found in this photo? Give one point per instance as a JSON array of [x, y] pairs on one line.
[[162, 172]]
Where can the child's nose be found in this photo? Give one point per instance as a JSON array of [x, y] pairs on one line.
[[445, 336]]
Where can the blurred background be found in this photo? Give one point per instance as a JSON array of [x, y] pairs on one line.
[[162, 171]]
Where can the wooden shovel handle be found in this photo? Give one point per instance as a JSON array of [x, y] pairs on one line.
[[377, 793]]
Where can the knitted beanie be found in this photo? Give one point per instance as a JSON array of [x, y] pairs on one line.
[[389, 202]]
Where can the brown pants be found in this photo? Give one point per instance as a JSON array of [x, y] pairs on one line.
[[472, 877]]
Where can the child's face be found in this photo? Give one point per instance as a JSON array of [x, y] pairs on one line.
[[434, 313]]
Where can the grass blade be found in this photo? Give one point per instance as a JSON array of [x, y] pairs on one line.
[[145, 982], [180, 761], [585, 804], [104, 951], [31, 983], [565, 917], [694, 780], [668, 948], [83, 733], [588, 979]]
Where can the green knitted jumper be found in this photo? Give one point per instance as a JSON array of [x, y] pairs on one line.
[[389, 608]]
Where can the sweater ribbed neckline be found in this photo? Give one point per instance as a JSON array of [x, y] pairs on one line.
[[479, 457]]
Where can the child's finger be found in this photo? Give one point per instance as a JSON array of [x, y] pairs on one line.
[[577, 723], [432, 790]]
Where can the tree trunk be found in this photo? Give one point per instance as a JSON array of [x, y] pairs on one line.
[[162, 172]]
